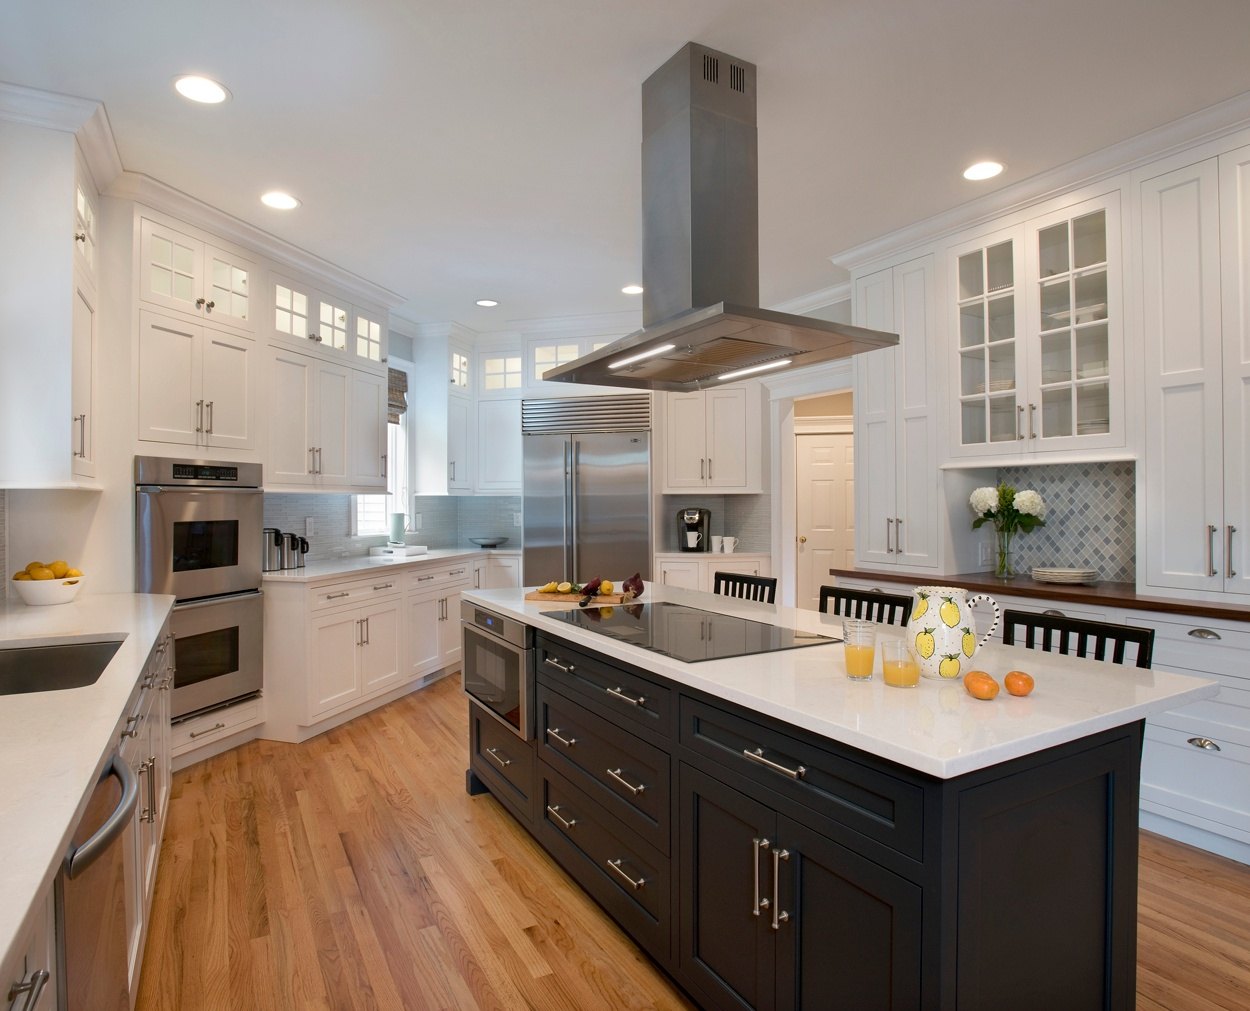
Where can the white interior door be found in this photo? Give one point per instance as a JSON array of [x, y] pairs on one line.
[[825, 496]]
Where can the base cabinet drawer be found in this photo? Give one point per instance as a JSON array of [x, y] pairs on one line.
[[200, 730], [625, 775], [502, 760], [626, 875], [1202, 770]]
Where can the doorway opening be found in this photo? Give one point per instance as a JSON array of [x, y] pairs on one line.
[[824, 492]]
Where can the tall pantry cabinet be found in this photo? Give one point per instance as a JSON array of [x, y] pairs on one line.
[[1195, 278]]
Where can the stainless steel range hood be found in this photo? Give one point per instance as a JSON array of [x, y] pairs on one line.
[[702, 324]]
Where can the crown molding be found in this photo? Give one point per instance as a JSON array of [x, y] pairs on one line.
[[99, 148], [587, 325], [44, 108], [820, 299], [1207, 124], [159, 196]]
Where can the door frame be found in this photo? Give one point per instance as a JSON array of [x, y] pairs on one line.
[[825, 425]]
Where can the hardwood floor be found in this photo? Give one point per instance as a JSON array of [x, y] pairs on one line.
[[355, 872]]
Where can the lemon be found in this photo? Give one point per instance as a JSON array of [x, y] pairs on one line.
[[21, 575], [73, 572], [59, 567], [42, 572], [605, 587], [32, 566], [564, 587]]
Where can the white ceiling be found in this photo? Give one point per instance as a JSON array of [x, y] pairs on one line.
[[456, 149]]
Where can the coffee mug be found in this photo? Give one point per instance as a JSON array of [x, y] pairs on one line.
[[692, 538], [717, 542], [729, 543]]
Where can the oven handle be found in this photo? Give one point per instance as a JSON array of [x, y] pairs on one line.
[[194, 489], [80, 858], [214, 601]]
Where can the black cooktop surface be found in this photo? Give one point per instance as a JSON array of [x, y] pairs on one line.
[[686, 633]]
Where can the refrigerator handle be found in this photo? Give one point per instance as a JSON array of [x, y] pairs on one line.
[[571, 493]]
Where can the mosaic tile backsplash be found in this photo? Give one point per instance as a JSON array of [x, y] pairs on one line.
[[1090, 519]]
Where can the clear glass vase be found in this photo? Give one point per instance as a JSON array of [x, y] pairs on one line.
[[1002, 554]]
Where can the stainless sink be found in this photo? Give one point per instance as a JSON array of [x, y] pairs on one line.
[[26, 669]]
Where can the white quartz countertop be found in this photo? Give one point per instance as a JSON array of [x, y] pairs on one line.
[[55, 744], [936, 728], [362, 565]]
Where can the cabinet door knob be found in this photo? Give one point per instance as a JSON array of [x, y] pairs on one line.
[[1203, 633], [1205, 743]]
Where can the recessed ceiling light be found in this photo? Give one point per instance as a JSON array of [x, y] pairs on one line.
[[641, 356], [632, 289], [487, 303], [982, 170], [201, 89], [279, 200]]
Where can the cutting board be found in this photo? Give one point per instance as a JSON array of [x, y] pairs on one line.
[[576, 598]]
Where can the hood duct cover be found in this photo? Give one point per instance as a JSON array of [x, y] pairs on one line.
[[702, 324]]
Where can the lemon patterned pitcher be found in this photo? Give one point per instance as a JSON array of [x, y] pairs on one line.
[[943, 631]]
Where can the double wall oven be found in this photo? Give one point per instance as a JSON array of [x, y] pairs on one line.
[[198, 537]]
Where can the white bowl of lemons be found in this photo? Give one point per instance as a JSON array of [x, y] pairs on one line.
[[48, 582]]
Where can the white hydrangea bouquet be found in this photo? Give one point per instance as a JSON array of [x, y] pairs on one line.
[[1009, 510]]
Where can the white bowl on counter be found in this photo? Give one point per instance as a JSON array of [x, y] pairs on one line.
[[48, 591]]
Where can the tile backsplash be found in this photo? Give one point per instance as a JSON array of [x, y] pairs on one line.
[[1090, 518]]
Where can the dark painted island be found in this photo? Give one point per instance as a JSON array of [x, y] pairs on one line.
[[777, 836]]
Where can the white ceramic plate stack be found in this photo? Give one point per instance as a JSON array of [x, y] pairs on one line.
[[1052, 575]]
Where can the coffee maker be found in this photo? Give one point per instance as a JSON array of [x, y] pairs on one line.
[[692, 529]]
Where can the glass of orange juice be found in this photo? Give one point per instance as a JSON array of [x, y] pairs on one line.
[[899, 666], [859, 637]]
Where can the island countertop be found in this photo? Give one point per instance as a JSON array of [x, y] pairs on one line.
[[56, 743], [936, 728]]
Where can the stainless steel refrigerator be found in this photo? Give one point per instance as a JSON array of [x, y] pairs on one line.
[[587, 486]]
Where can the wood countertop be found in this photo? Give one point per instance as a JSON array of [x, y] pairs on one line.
[[1107, 594]]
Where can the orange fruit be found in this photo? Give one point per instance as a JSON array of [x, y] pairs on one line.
[[980, 685], [1017, 682]]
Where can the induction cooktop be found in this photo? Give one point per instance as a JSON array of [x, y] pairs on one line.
[[687, 633]]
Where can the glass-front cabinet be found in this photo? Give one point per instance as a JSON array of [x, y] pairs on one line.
[[1038, 331], [341, 331]]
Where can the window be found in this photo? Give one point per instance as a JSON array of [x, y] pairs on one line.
[[501, 372]]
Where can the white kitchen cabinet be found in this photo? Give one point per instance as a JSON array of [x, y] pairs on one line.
[[327, 426], [188, 273], [497, 572], [368, 430], [84, 358], [28, 977], [195, 384], [1196, 348], [328, 324], [434, 615], [697, 570], [48, 314], [899, 504], [353, 653], [459, 438], [498, 457], [712, 440], [1036, 333]]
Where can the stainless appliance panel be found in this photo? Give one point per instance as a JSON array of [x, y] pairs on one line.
[[220, 651], [611, 475], [546, 552], [192, 542], [93, 963], [498, 669]]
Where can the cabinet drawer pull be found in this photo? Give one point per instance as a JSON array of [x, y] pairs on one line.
[[335, 596], [32, 988], [1019, 421], [1054, 612], [200, 733], [758, 756], [424, 579], [562, 668], [709, 468], [503, 762], [889, 529], [384, 586], [898, 535], [619, 693], [1032, 416], [1203, 633], [779, 915], [1205, 743], [1228, 546], [635, 790], [456, 572], [555, 732], [758, 903], [565, 823], [1211, 529], [634, 884]]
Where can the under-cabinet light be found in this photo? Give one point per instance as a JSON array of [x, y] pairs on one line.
[[641, 356], [753, 369]]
